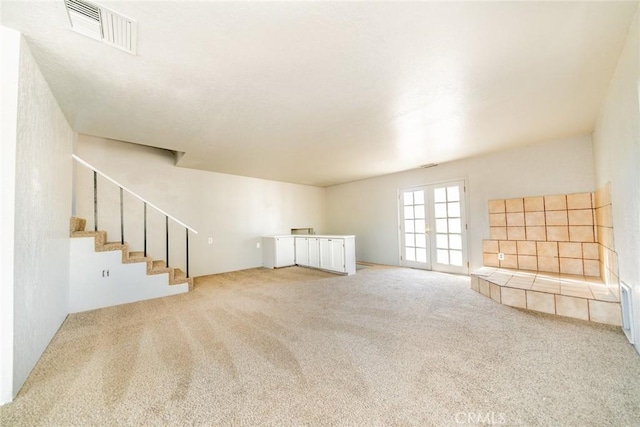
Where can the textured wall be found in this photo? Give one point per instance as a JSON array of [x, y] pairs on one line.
[[10, 48], [234, 210], [617, 155], [369, 208], [43, 208]]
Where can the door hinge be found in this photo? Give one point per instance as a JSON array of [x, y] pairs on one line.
[[466, 226]]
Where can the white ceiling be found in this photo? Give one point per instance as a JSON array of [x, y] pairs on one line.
[[322, 93]]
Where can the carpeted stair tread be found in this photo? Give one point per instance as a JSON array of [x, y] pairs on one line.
[[112, 246], [179, 277], [157, 267], [137, 256], [77, 224]]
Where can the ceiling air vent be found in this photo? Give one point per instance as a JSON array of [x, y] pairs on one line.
[[103, 24]]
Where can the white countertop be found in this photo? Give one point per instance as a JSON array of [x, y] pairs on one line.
[[322, 236]]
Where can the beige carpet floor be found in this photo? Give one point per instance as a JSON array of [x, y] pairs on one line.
[[294, 346]]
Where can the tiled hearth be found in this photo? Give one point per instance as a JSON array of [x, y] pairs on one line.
[[553, 254], [581, 297]]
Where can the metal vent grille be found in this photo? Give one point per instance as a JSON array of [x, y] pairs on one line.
[[103, 24]]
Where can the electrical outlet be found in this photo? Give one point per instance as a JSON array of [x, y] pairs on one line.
[[501, 256], [210, 240]]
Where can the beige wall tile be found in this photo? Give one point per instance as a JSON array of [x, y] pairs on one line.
[[474, 284], [555, 203], [592, 267], [549, 264], [498, 233], [527, 262], [540, 301], [490, 246], [557, 234], [533, 204], [605, 312], [526, 248], [572, 307], [514, 297], [603, 196], [515, 219], [490, 260], [509, 261], [508, 247], [556, 218], [605, 237], [549, 287], [579, 201], [575, 290], [498, 220], [494, 291], [571, 266], [547, 249], [581, 233], [590, 250], [570, 250], [496, 206], [581, 217], [536, 233], [484, 288], [516, 233], [534, 218], [604, 216], [515, 205]]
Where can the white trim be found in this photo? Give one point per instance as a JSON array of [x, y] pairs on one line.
[[84, 163]]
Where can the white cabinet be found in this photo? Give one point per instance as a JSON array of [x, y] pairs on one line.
[[302, 251], [308, 251], [337, 253], [331, 253], [314, 252], [278, 251]]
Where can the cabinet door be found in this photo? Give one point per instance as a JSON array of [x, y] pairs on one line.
[[332, 254], [337, 255], [285, 252], [302, 251], [314, 252]]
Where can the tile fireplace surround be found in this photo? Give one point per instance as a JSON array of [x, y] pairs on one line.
[[553, 254]]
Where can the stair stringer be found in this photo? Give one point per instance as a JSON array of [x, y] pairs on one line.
[[101, 279]]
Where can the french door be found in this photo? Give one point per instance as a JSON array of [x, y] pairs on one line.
[[433, 227]]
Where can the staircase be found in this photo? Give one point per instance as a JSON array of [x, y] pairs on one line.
[[176, 275]]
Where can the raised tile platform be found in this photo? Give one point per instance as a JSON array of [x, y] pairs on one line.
[[581, 297]]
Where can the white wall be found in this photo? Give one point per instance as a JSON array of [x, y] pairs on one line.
[[369, 208], [10, 51], [617, 159], [236, 211], [42, 211]]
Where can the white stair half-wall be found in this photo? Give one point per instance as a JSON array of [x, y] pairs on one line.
[[91, 287]]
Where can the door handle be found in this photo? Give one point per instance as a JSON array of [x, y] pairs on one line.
[[427, 230]]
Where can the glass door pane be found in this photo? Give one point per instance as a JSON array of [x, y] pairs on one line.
[[414, 229], [449, 223]]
